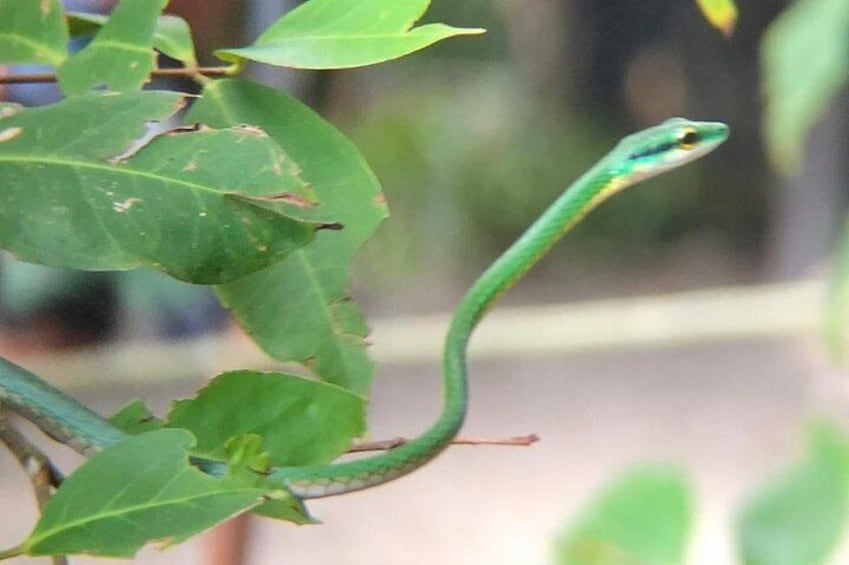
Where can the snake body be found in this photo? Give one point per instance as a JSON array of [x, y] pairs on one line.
[[637, 157]]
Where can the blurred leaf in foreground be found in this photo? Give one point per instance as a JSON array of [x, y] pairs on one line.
[[805, 59], [642, 518], [722, 14], [799, 517]]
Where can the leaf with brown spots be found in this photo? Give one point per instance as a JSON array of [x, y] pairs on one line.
[[298, 309], [80, 191]]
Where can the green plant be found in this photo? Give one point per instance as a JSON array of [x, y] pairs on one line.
[[273, 202], [248, 191]]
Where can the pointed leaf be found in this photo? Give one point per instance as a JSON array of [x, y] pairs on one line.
[[121, 55], [248, 462], [643, 518], [805, 63], [722, 14], [336, 34], [290, 509], [32, 32], [142, 489], [300, 421], [298, 309], [172, 35], [202, 205], [800, 516], [135, 418]]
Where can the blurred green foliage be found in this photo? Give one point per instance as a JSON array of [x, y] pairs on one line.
[[644, 516], [474, 158], [799, 517], [469, 149], [805, 58], [641, 518]]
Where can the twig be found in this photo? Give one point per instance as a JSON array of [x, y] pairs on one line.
[[189, 72], [11, 552], [43, 475], [386, 444]]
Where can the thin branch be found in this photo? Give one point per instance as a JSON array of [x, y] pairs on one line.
[[11, 552], [384, 445], [43, 475], [189, 72]]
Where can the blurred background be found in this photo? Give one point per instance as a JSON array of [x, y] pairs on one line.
[[471, 140]]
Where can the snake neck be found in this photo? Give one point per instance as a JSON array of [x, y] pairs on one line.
[[340, 478]]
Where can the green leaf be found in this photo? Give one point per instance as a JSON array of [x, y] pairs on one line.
[[805, 63], [642, 518], [337, 34], [171, 37], [32, 32], [298, 309], [300, 421], [290, 509], [722, 14], [799, 517], [141, 490], [203, 205], [121, 55], [245, 452], [249, 463], [135, 418]]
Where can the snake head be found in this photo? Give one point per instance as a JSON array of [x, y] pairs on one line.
[[671, 144]]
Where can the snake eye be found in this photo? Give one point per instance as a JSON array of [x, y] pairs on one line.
[[688, 138]]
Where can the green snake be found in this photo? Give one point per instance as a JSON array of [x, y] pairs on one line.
[[637, 157]]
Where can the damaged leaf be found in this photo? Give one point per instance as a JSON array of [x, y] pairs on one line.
[[298, 309], [300, 421], [121, 56], [80, 192]]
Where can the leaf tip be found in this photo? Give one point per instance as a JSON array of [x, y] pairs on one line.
[[721, 14]]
